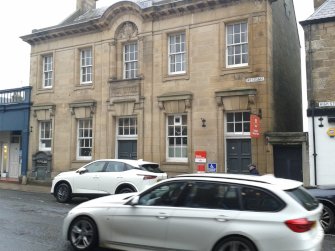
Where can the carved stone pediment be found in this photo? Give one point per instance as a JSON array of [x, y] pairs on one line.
[[83, 108], [175, 102], [127, 31], [236, 99], [123, 90], [43, 111]]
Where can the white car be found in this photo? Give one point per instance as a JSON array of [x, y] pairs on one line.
[[105, 177], [201, 212]]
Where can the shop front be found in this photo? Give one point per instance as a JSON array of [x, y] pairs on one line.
[[14, 133]]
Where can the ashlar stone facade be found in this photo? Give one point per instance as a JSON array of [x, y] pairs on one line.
[[165, 80]]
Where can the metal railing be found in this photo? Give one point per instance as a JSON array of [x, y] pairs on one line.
[[14, 96]]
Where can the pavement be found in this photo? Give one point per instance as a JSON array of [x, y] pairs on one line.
[[26, 188]]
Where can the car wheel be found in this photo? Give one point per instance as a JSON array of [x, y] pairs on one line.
[[125, 190], [63, 193], [327, 219], [235, 243], [83, 234]]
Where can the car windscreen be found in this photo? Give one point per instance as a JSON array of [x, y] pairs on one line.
[[154, 168], [304, 198]]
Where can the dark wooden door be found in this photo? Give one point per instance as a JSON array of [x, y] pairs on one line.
[[238, 155], [288, 162], [127, 149]]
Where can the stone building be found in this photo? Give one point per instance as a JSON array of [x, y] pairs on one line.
[[319, 31], [193, 85]]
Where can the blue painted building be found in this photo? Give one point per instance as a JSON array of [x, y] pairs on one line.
[[14, 133]]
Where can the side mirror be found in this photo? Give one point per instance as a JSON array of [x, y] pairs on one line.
[[134, 200], [81, 170]]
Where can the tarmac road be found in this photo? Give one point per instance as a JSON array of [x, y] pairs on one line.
[[328, 245]]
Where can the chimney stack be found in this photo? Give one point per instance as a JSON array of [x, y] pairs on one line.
[[318, 3], [85, 5]]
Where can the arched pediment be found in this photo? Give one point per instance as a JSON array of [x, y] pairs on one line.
[[126, 30]]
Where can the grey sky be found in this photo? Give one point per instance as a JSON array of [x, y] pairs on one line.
[[20, 20]]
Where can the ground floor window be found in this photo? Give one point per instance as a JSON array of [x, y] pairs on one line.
[[45, 133], [85, 139], [177, 138]]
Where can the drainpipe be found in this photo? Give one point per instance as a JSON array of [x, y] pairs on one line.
[[314, 145], [25, 137], [312, 103]]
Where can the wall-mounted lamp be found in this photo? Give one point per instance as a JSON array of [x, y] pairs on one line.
[[203, 122], [260, 113], [31, 129], [320, 119]]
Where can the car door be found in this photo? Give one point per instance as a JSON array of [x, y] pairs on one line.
[[113, 175], [145, 224], [87, 181], [204, 212]]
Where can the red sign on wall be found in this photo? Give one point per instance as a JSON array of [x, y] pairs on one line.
[[200, 156], [201, 168], [255, 126]]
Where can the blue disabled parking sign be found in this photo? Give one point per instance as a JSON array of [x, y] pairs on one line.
[[211, 168]]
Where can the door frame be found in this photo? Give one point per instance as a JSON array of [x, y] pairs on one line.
[[4, 166], [10, 167], [124, 137], [234, 135]]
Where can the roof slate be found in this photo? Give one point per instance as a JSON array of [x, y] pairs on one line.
[[88, 15], [326, 10]]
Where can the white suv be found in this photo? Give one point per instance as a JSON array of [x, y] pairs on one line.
[[203, 212], [105, 177]]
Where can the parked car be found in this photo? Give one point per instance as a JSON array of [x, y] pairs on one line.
[[201, 212], [105, 177], [326, 195]]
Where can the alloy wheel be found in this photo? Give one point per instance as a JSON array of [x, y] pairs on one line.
[[235, 244], [83, 234], [327, 219]]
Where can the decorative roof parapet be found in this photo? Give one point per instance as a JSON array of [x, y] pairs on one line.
[[94, 20]]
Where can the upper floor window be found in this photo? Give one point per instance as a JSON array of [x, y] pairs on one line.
[[47, 71], [177, 138], [86, 66], [177, 53], [237, 44], [130, 59], [84, 139], [45, 138], [238, 122]]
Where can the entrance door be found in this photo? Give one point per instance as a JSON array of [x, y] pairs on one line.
[[238, 155], [4, 160], [14, 160], [288, 162], [127, 149]]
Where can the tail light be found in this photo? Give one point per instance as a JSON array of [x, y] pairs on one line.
[[300, 225], [147, 177]]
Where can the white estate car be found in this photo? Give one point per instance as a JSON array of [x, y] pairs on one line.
[[105, 177], [201, 212]]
